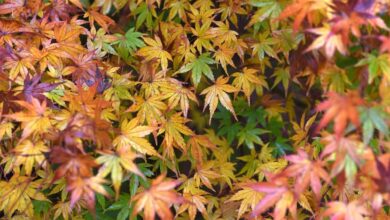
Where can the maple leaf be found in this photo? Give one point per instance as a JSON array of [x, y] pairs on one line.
[[301, 61], [157, 199], [347, 154], [204, 173], [302, 130], [155, 50], [226, 171], [197, 145], [105, 5], [251, 163], [268, 9], [85, 188], [85, 67], [45, 57], [36, 120], [10, 6], [269, 166], [373, 118], [224, 36], [247, 81], [177, 8], [265, 46], [340, 108], [354, 210], [63, 209], [6, 129], [20, 8], [224, 56], [77, 126], [199, 66], [195, 200], [249, 199], [9, 27], [302, 9], [385, 46], [144, 15], [16, 195], [218, 93], [119, 89], [32, 88], [250, 135], [132, 136], [177, 94], [158, 84], [276, 193], [173, 128], [102, 43], [29, 153], [376, 65], [272, 106], [351, 16], [62, 50], [306, 171], [128, 43], [86, 101], [20, 65], [150, 109], [67, 39], [328, 39], [103, 20], [59, 10], [72, 163], [282, 75], [114, 164], [101, 130], [377, 169], [204, 35]]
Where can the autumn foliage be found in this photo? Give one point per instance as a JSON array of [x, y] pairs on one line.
[[195, 109]]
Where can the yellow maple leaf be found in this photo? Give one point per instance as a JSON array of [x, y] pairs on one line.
[[218, 93], [35, 120], [173, 128], [247, 81], [224, 56], [6, 129], [150, 109], [177, 94], [155, 50], [16, 195], [133, 135], [249, 199], [196, 200], [29, 153]]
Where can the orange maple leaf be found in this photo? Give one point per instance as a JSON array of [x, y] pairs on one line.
[[340, 108], [158, 198]]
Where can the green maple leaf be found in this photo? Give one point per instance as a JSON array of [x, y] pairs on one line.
[[376, 65], [199, 67], [282, 75], [250, 135], [267, 9], [128, 43], [373, 118], [143, 13], [265, 46]]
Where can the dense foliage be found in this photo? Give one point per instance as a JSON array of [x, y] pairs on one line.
[[227, 109]]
